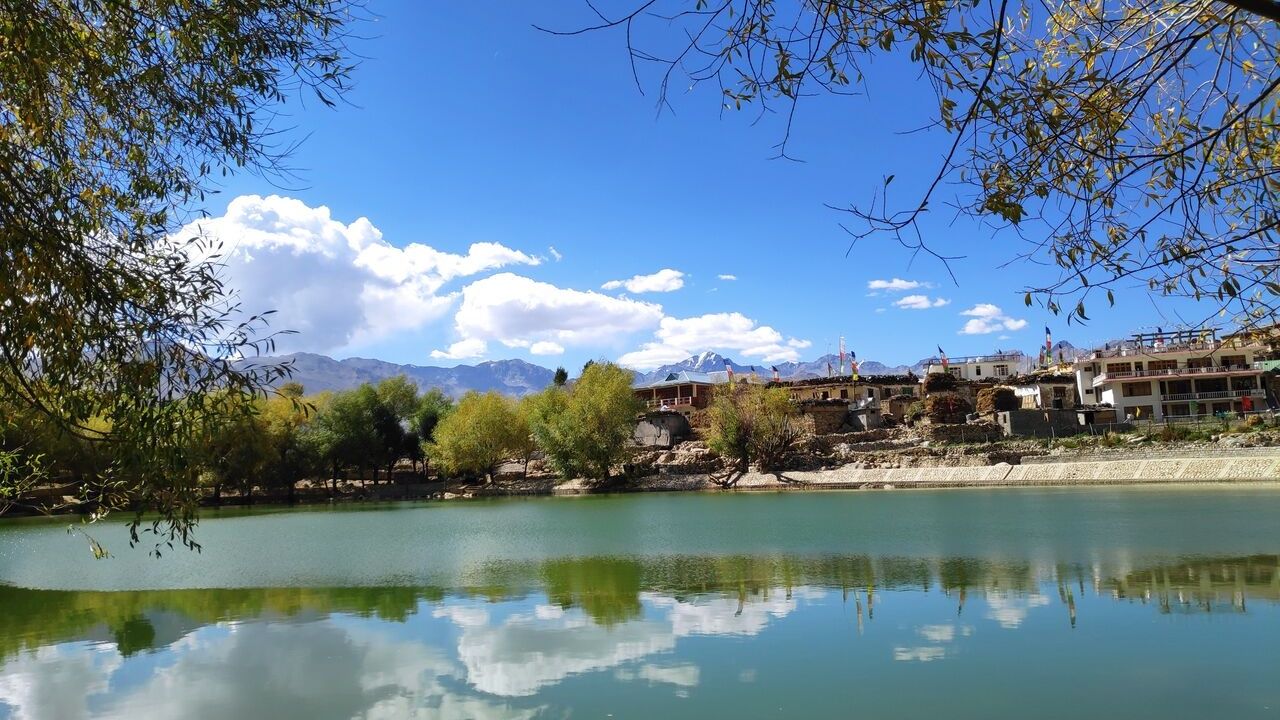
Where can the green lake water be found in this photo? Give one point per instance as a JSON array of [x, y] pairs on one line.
[[1009, 603]]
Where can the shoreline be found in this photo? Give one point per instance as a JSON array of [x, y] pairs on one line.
[[1243, 466]]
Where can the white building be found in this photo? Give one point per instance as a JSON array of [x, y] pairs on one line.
[[1172, 375], [979, 367]]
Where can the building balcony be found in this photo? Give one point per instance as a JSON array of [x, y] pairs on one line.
[[1153, 350], [1127, 375], [1215, 395], [669, 402]]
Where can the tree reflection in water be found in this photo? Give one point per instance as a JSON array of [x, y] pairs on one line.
[[610, 590]]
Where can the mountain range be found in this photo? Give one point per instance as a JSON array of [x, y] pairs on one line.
[[321, 372], [517, 377], [713, 362]]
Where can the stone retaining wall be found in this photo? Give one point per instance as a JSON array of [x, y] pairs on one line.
[[1241, 467]]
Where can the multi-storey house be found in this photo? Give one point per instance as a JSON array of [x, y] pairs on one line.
[[1174, 375]]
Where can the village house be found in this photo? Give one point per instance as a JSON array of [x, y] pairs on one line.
[[1174, 375], [861, 403], [682, 392], [995, 366], [1045, 391]]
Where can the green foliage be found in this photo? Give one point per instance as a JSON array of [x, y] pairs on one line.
[[433, 406], [117, 119], [399, 395], [585, 430], [561, 377], [484, 430], [344, 433], [751, 423]]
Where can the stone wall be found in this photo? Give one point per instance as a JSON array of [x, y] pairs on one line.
[[962, 433], [1247, 467], [823, 419], [661, 429], [1040, 423]]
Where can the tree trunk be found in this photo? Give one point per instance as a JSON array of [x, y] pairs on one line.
[[217, 495], [292, 486]]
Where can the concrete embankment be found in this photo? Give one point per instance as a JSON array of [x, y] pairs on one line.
[[1253, 465]]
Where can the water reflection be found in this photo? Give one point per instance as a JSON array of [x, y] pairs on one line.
[[496, 649]]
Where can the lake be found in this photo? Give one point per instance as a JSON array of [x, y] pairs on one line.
[[1008, 603]]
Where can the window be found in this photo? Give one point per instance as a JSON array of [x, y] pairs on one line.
[[871, 394], [1201, 362], [1137, 389], [1162, 365], [1119, 367], [977, 371], [1002, 370], [1233, 361], [844, 394], [1088, 391], [1244, 383]]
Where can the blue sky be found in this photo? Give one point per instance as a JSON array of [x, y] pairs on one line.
[[468, 126]]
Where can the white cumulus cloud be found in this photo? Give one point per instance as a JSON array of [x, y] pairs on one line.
[[896, 285], [462, 350], [679, 338], [665, 280], [919, 302], [519, 312], [986, 318], [336, 284]]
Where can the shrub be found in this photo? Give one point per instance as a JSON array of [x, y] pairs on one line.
[[751, 423]]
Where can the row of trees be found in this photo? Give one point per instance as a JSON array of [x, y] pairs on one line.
[[582, 429], [284, 438]]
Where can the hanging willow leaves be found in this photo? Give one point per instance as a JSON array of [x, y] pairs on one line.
[[115, 117]]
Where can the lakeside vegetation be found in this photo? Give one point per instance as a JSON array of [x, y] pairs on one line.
[[369, 434]]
